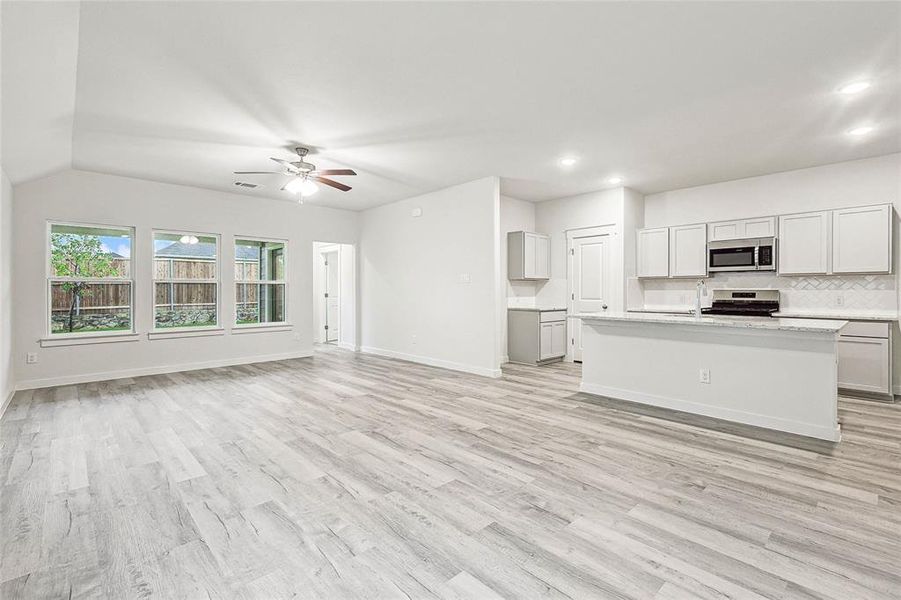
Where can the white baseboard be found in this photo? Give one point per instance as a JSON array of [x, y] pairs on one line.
[[433, 362], [6, 400], [717, 412], [32, 384], [349, 346]]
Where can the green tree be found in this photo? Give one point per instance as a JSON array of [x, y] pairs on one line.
[[79, 256]]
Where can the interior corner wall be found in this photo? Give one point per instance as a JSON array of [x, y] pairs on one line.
[[347, 335], [93, 198], [428, 283], [7, 380]]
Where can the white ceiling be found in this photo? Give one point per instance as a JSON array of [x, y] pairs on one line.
[[418, 96]]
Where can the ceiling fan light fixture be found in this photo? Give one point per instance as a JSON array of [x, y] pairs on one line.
[[301, 186], [188, 239]]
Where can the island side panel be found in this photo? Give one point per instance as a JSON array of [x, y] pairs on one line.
[[782, 380]]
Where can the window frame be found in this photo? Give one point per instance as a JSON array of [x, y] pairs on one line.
[[51, 278], [286, 323], [177, 331]]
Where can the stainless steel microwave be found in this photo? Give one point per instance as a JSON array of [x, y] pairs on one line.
[[754, 254]]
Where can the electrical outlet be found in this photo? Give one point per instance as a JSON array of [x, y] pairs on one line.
[[31, 358], [839, 300], [704, 376]]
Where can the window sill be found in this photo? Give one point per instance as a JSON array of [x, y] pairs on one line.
[[80, 339], [274, 327], [183, 333]]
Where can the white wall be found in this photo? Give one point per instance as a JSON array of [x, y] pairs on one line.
[[515, 215], [6, 252], [556, 217], [415, 304], [347, 336], [95, 198]]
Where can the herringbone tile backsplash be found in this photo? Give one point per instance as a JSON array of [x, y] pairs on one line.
[[810, 293]]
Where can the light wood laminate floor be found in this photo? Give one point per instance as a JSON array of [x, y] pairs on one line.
[[354, 476]]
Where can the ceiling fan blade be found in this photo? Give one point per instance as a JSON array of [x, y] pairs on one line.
[[334, 184], [257, 173], [285, 163], [334, 172]]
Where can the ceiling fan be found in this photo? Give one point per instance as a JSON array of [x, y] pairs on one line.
[[304, 175]]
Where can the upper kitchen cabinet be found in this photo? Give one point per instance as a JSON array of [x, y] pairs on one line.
[[741, 229], [528, 256], [688, 251], [804, 243], [653, 252], [862, 239]]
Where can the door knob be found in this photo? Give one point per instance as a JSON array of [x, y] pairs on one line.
[[604, 306]]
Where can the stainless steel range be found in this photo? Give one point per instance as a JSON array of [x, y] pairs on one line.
[[745, 303]]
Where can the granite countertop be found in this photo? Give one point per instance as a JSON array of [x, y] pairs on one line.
[[535, 308], [844, 316], [770, 323]]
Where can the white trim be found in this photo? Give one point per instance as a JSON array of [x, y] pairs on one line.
[[187, 332], [7, 401], [125, 373], [262, 328], [728, 414], [349, 346], [433, 362], [79, 339]]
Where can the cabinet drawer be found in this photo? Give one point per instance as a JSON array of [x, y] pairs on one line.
[[866, 329], [553, 315]]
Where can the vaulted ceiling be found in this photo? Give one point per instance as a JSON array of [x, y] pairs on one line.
[[418, 96]]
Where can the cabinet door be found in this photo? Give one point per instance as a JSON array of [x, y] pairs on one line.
[[542, 257], [804, 244], [653, 252], [863, 364], [530, 243], [758, 228], [862, 240], [688, 251], [546, 341], [726, 230], [558, 338]]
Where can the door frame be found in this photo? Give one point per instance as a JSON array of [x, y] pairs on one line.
[[571, 236]]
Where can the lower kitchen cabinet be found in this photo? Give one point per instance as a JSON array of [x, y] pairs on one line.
[[865, 358], [536, 336]]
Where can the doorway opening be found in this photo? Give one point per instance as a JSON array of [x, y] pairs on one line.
[[334, 292]]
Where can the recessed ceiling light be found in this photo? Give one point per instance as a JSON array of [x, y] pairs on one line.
[[568, 161], [614, 180], [854, 87], [862, 130]]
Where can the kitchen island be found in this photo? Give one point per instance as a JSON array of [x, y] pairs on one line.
[[776, 373]]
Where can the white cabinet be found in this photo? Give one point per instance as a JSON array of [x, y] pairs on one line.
[[653, 252], [536, 336], [862, 240], [553, 340], [865, 358], [688, 251], [528, 256], [804, 243], [741, 229]]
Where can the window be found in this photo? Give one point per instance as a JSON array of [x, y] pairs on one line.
[[185, 280], [259, 282], [90, 279]]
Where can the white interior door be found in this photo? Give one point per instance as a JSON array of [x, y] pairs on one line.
[[589, 282], [332, 300]]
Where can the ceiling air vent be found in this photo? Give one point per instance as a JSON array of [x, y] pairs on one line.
[[246, 184]]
